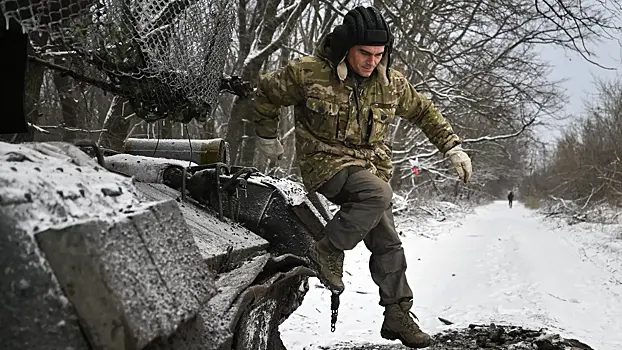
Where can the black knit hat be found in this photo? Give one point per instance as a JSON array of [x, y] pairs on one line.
[[361, 26]]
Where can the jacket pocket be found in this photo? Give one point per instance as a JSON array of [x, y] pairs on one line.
[[380, 118], [323, 118]]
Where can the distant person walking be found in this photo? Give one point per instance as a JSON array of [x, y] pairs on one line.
[[510, 198]]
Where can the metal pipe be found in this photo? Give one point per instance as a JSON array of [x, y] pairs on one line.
[[198, 151]]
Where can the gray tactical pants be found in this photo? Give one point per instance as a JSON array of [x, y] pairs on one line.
[[366, 215]]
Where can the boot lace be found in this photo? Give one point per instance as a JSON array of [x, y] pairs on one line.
[[409, 323], [333, 263]]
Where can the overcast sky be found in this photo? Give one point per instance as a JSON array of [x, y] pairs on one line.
[[580, 75]]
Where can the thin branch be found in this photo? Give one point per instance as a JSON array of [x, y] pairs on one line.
[[274, 45], [97, 83], [38, 128], [501, 137], [66, 128]]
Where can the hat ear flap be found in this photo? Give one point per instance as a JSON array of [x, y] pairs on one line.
[[388, 50], [339, 43]]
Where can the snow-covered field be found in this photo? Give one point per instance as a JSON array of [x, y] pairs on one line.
[[508, 266]]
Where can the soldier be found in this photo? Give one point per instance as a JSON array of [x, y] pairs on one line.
[[345, 97]]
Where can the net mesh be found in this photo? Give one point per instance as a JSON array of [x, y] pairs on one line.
[[165, 56]]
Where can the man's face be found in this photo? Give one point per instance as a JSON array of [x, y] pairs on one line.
[[364, 59]]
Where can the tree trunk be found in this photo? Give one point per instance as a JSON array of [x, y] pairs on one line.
[[287, 123], [68, 102], [397, 143], [166, 129], [32, 91], [209, 129], [249, 146], [116, 124], [240, 132], [289, 142]]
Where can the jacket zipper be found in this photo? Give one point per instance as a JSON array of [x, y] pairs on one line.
[[337, 129], [357, 94]]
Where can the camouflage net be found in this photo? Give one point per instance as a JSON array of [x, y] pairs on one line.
[[165, 56]]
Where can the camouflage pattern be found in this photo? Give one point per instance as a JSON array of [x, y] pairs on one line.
[[366, 214], [331, 132]]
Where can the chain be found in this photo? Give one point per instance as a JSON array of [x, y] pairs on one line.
[[334, 307]]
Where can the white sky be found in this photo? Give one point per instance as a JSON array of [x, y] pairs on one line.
[[580, 75]]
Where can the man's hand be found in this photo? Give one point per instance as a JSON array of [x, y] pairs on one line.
[[272, 148], [461, 162]]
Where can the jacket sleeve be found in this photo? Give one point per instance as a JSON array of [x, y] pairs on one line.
[[418, 109], [280, 88]]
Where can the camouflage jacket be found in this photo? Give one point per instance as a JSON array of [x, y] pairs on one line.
[[339, 124]]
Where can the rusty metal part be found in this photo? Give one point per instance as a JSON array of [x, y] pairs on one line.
[[198, 151]]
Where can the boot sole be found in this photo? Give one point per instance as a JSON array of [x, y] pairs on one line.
[[323, 280], [390, 335]]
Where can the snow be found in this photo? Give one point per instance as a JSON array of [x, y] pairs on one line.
[[601, 244], [508, 266], [53, 185], [143, 168], [292, 191]]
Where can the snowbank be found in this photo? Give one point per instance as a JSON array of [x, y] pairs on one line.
[[596, 231]]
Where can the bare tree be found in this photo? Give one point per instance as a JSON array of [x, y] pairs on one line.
[[263, 28], [160, 57], [477, 60], [580, 20], [585, 165]]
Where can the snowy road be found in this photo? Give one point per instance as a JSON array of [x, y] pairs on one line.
[[497, 265]]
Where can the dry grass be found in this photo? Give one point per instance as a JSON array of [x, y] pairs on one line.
[[532, 202]]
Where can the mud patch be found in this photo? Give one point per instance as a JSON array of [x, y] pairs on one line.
[[483, 337]]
